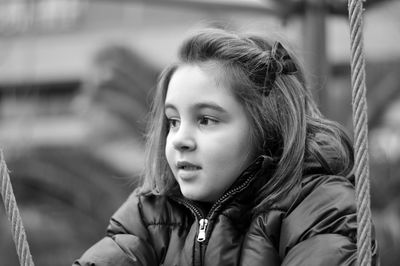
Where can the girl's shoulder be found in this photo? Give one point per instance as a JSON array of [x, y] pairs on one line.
[[328, 187], [323, 204], [319, 205], [325, 191]]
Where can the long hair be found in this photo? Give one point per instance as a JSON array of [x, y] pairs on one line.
[[286, 124]]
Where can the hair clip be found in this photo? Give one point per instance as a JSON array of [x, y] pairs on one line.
[[283, 61], [279, 62]]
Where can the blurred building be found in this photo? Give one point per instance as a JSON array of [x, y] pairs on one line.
[[76, 78]]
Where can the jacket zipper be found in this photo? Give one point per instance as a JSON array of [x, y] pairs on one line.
[[197, 212], [201, 236], [205, 221]]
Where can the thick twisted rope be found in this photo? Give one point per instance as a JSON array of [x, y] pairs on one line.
[[360, 120], [18, 231]]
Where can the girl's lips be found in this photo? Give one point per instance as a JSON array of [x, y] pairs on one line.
[[187, 171], [184, 165]]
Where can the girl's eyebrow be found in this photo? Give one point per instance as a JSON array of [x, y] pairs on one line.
[[210, 105], [199, 106], [169, 106]]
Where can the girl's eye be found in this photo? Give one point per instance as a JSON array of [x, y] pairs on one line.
[[172, 123], [207, 121]]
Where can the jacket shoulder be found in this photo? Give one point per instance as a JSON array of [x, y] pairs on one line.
[[326, 192], [318, 225], [322, 218], [320, 201], [141, 211]]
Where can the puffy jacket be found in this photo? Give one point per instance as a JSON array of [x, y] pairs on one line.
[[314, 225]]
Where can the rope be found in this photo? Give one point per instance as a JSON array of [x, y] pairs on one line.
[[18, 231], [360, 119]]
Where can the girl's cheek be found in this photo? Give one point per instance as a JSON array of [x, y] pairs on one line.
[[169, 152]]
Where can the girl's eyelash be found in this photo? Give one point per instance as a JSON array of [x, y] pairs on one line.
[[208, 118], [202, 120], [172, 122]]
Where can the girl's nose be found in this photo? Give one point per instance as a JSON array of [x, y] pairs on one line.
[[183, 140]]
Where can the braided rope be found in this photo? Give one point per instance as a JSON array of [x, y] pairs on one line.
[[10, 204], [360, 119]]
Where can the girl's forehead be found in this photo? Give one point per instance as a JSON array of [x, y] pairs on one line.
[[215, 70], [193, 85], [212, 73]]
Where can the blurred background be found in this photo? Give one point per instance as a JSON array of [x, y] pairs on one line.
[[76, 78]]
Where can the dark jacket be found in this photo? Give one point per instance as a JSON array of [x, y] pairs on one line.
[[314, 225]]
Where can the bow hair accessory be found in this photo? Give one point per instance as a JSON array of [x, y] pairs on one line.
[[283, 61], [279, 63]]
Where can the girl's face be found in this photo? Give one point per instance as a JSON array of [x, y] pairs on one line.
[[208, 143]]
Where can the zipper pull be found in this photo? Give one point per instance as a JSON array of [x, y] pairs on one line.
[[202, 230]]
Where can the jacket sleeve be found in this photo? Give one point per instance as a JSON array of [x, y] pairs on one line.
[[320, 228], [127, 241]]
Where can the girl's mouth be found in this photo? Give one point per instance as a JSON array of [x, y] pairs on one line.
[[184, 165]]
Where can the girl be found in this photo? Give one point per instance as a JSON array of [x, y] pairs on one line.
[[241, 168]]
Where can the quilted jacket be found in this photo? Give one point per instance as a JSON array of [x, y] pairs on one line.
[[314, 225]]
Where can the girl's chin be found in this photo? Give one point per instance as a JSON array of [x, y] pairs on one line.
[[197, 196], [193, 197]]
